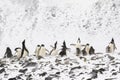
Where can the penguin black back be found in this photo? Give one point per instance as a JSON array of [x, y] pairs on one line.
[[55, 45], [63, 51], [84, 52], [112, 41], [78, 51], [23, 48], [92, 50], [78, 40], [8, 53]]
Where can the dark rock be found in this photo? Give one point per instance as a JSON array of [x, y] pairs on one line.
[[48, 78], [30, 64], [2, 70], [94, 74], [115, 73], [89, 79], [43, 74], [78, 67], [12, 79], [101, 70], [29, 77], [23, 70], [57, 73]]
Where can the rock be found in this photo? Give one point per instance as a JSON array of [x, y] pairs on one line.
[[30, 64], [23, 70], [12, 79], [2, 70], [94, 74], [78, 67], [101, 70], [48, 78], [115, 73], [43, 74], [57, 73]]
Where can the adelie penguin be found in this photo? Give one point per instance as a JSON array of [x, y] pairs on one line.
[[18, 52], [8, 53], [22, 53], [54, 51], [78, 47], [37, 50], [42, 51], [111, 47], [63, 50], [88, 50]]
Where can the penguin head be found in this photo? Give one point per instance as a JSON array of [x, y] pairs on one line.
[[87, 44], [42, 45], [17, 49], [64, 44], [78, 41], [38, 45], [112, 41], [7, 48]]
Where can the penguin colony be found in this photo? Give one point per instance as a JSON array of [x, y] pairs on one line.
[[41, 51]]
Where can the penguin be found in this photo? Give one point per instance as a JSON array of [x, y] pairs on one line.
[[63, 51], [8, 53], [18, 52], [84, 52], [92, 50], [111, 47], [42, 51], [37, 50], [78, 47], [24, 52], [87, 48], [54, 51]]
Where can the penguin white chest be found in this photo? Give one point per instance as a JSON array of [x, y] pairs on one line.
[[111, 47], [87, 49], [18, 53], [42, 52], [54, 52], [25, 53], [37, 51], [78, 45]]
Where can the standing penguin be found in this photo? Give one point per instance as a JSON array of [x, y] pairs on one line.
[[42, 51], [54, 51], [86, 50], [92, 50], [18, 52], [78, 47], [24, 52], [37, 50], [63, 51], [111, 47], [8, 53]]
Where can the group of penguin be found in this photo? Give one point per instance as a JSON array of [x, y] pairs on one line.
[[41, 51]]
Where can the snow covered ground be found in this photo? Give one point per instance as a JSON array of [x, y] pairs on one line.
[[44, 22], [101, 66]]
